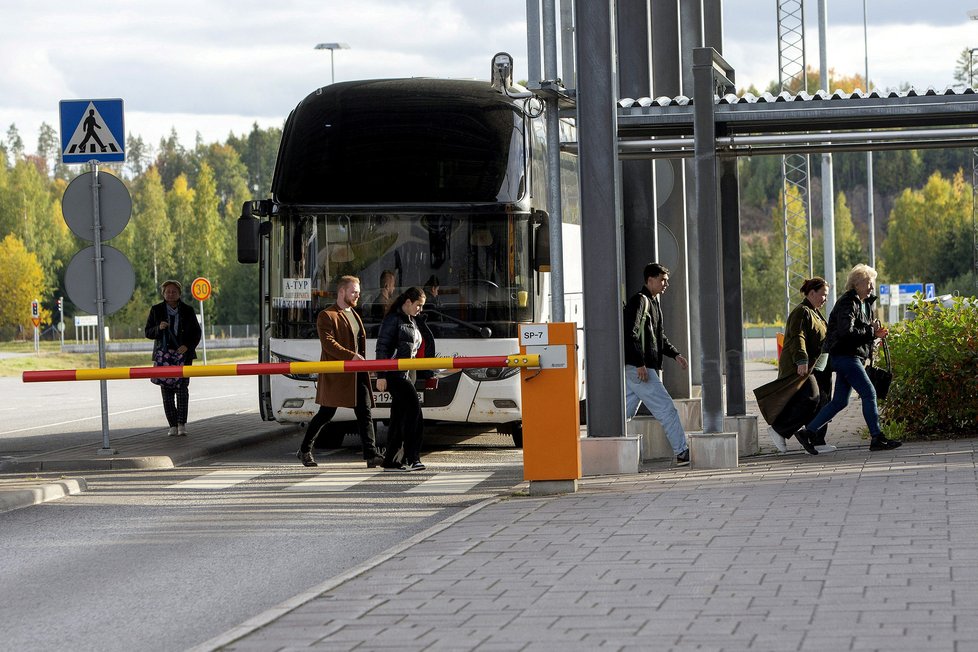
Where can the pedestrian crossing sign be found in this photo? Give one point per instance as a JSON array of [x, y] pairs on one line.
[[92, 130]]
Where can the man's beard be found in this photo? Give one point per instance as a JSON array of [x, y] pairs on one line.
[[351, 302]]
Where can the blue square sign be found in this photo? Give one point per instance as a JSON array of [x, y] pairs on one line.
[[92, 130]]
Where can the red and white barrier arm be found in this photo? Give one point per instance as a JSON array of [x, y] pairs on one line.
[[273, 368]]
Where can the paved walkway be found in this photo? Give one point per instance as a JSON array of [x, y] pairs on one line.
[[850, 550]]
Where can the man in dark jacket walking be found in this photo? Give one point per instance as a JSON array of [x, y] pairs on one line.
[[645, 346]]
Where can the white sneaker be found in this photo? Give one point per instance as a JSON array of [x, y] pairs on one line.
[[171, 431], [825, 448], [778, 441], [182, 430]]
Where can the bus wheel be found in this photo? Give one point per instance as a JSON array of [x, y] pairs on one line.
[[515, 430]]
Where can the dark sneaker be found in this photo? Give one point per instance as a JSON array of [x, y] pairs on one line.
[[804, 437], [683, 458], [306, 458], [417, 465], [881, 443], [375, 461]]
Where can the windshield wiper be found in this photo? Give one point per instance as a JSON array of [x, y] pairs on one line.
[[484, 331]]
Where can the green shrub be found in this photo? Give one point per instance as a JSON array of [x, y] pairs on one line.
[[935, 372]]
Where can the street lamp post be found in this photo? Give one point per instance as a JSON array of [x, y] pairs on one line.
[[973, 15], [331, 47], [870, 217]]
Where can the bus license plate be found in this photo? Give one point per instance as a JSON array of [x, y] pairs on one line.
[[383, 399]]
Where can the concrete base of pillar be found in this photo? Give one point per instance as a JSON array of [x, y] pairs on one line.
[[690, 413], [746, 429], [654, 444], [610, 455], [551, 487], [712, 450]]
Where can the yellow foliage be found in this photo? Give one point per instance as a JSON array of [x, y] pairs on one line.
[[22, 278]]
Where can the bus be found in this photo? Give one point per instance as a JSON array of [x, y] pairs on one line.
[[428, 181]]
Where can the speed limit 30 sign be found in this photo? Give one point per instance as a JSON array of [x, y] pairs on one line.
[[200, 288]]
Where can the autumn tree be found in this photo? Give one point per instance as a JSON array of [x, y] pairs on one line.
[[22, 279], [929, 237]]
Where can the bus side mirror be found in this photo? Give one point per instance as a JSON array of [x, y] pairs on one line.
[[541, 242], [248, 228]]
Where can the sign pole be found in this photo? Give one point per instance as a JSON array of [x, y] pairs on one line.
[[100, 310], [200, 289], [36, 320], [203, 331]]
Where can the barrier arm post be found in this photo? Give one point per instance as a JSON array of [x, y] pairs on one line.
[[551, 409]]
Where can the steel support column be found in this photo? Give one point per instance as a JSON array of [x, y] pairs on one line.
[[637, 188], [691, 37], [708, 229], [597, 121], [670, 194]]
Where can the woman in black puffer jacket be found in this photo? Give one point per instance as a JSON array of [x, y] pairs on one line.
[[404, 335], [852, 331]]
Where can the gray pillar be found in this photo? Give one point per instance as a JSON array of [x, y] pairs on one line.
[[567, 74], [597, 162], [733, 304], [691, 36], [708, 235], [637, 190], [533, 74], [670, 184], [828, 191], [730, 269]]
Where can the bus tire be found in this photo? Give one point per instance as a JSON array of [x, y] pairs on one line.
[[514, 430]]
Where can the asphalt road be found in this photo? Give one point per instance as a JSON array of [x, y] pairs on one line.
[[166, 559], [35, 417]]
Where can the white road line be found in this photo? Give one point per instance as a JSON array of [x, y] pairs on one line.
[[154, 406], [217, 480], [91, 418], [332, 481], [449, 483]]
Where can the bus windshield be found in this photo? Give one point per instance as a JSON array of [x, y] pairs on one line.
[[474, 269]]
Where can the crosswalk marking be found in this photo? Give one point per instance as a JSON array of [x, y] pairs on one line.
[[332, 481], [449, 483], [217, 480]]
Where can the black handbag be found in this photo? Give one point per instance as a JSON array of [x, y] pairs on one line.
[[879, 376]]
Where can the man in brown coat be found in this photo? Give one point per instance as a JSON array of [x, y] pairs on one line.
[[342, 337]]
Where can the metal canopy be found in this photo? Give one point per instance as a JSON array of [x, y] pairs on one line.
[[786, 113]]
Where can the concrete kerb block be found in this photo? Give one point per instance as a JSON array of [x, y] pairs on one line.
[[713, 450], [12, 498], [746, 428], [610, 455], [654, 443], [690, 413]]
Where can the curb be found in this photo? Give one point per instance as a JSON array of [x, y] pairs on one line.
[[105, 463], [35, 494]]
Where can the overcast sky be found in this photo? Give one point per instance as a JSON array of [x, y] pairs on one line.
[[215, 66]]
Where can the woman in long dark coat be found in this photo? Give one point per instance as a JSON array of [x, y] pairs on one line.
[[801, 389]]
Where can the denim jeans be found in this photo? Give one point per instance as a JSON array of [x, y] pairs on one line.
[[850, 374], [655, 397]]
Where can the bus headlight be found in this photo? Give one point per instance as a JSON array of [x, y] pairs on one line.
[[278, 357], [492, 373]]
